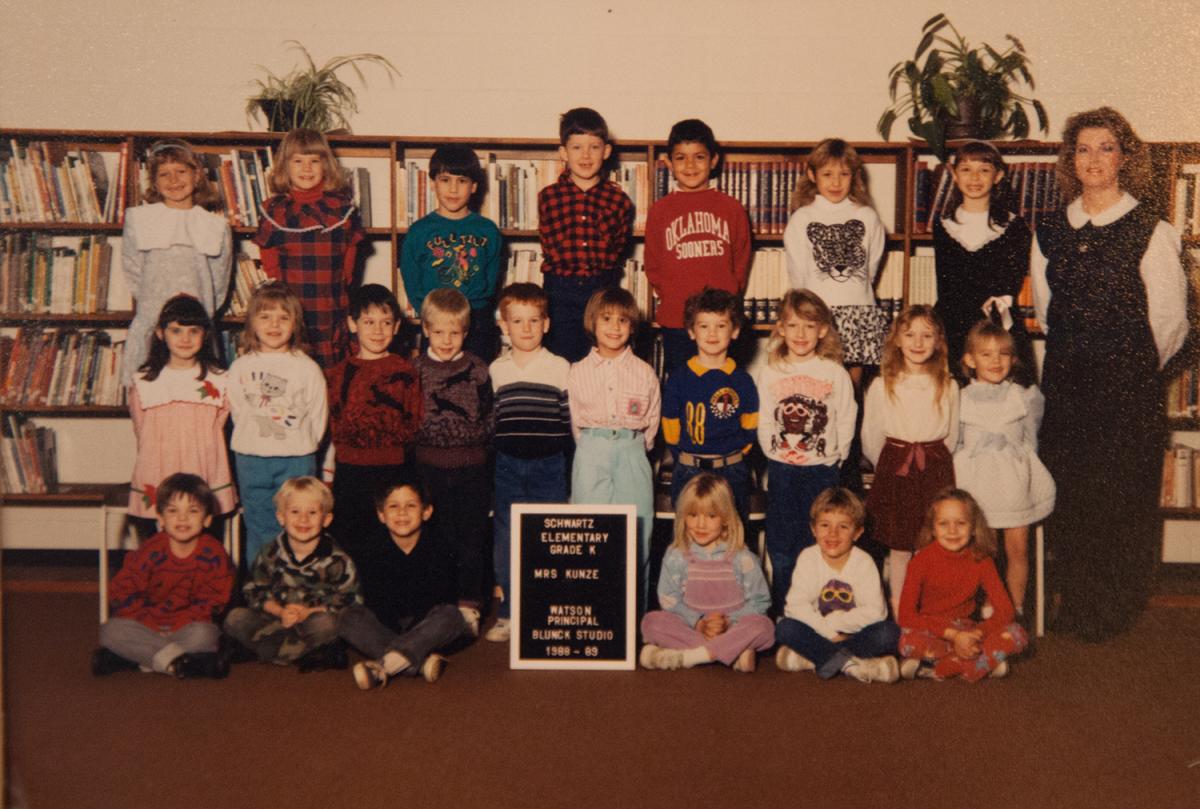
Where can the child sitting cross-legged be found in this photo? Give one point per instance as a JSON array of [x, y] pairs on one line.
[[168, 591], [296, 586], [410, 592], [835, 619], [712, 591]]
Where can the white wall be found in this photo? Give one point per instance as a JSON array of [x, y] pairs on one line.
[[757, 69]]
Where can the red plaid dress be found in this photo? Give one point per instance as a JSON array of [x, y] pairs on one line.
[[312, 233]]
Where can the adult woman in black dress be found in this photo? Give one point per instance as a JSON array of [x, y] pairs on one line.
[[1111, 295]]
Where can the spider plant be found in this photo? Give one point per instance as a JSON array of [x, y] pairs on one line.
[[960, 91], [310, 96]]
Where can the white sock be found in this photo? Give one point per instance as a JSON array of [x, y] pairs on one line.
[[695, 657], [394, 663]]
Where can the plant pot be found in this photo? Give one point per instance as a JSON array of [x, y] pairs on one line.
[[966, 125], [279, 113]]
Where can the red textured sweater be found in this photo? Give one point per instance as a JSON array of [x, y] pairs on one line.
[[374, 409], [940, 589], [165, 592]]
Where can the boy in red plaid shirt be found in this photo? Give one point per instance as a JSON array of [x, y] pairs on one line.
[[584, 223]]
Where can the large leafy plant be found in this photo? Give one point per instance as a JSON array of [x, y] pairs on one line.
[[310, 96], [960, 91]]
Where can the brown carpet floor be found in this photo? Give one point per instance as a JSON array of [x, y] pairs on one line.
[[1116, 725]]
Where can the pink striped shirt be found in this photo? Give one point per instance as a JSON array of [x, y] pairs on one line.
[[621, 393]]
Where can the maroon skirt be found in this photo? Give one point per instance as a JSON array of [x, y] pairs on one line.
[[907, 477]]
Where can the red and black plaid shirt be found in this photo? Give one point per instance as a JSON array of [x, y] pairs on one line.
[[583, 232]]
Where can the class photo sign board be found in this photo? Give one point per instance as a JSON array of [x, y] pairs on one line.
[[574, 583]]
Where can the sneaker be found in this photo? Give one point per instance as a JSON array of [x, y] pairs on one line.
[[105, 661], [648, 655], [873, 669], [912, 669], [1001, 670], [788, 659], [747, 662], [471, 619], [370, 674], [668, 659], [431, 669], [191, 665], [500, 632]]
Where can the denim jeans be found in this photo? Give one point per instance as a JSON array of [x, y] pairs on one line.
[[135, 641], [568, 299], [875, 640], [440, 627], [521, 480], [462, 497], [272, 642], [791, 491], [259, 477]]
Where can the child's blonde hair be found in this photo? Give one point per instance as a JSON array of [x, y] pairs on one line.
[[446, 301], [306, 142], [615, 299], [179, 151], [706, 490], [303, 485], [983, 538], [841, 500], [892, 364], [806, 305], [979, 334], [269, 296], [827, 151]]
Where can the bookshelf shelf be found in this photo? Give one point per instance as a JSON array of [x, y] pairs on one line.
[[72, 494], [67, 411], [80, 228], [1183, 423], [98, 319], [1180, 513]]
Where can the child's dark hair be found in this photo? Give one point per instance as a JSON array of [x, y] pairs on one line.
[[716, 301], [376, 295], [982, 152], [181, 484], [460, 161], [987, 330], [412, 480], [582, 121], [615, 299], [527, 293], [841, 500], [186, 311], [692, 130]]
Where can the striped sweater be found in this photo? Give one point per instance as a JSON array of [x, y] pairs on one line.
[[532, 418]]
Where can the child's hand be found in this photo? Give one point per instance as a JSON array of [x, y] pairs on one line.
[[966, 644], [293, 614], [712, 624]]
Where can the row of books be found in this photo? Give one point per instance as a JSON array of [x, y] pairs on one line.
[[60, 367], [1033, 192], [247, 277], [1183, 395], [525, 266], [510, 198], [49, 181], [1181, 477], [764, 189], [1186, 210], [40, 273], [27, 457]]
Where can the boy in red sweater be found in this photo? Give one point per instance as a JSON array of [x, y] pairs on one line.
[[374, 413], [168, 591], [696, 237]]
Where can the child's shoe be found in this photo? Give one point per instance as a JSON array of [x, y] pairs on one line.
[[1001, 670], [500, 632], [747, 662], [912, 668], [323, 658], [655, 657], [370, 674], [471, 619], [431, 669], [106, 661], [873, 669], [200, 664], [788, 659], [647, 656]]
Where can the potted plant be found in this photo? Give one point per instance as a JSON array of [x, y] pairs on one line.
[[960, 91], [310, 96]]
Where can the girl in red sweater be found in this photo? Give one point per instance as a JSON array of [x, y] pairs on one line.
[[939, 637]]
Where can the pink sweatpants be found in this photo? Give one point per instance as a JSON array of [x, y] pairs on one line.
[[668, 630]]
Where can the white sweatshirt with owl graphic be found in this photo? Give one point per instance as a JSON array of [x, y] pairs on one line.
[[806, 412], [834, 249], [278, 403], [834, 601]]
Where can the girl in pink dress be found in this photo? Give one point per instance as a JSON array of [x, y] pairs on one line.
[[179, 408], [713, 595]]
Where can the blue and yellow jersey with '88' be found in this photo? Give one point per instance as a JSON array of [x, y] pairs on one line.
[[710, 411]]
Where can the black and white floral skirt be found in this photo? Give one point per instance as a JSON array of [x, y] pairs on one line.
[[862, 329]]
